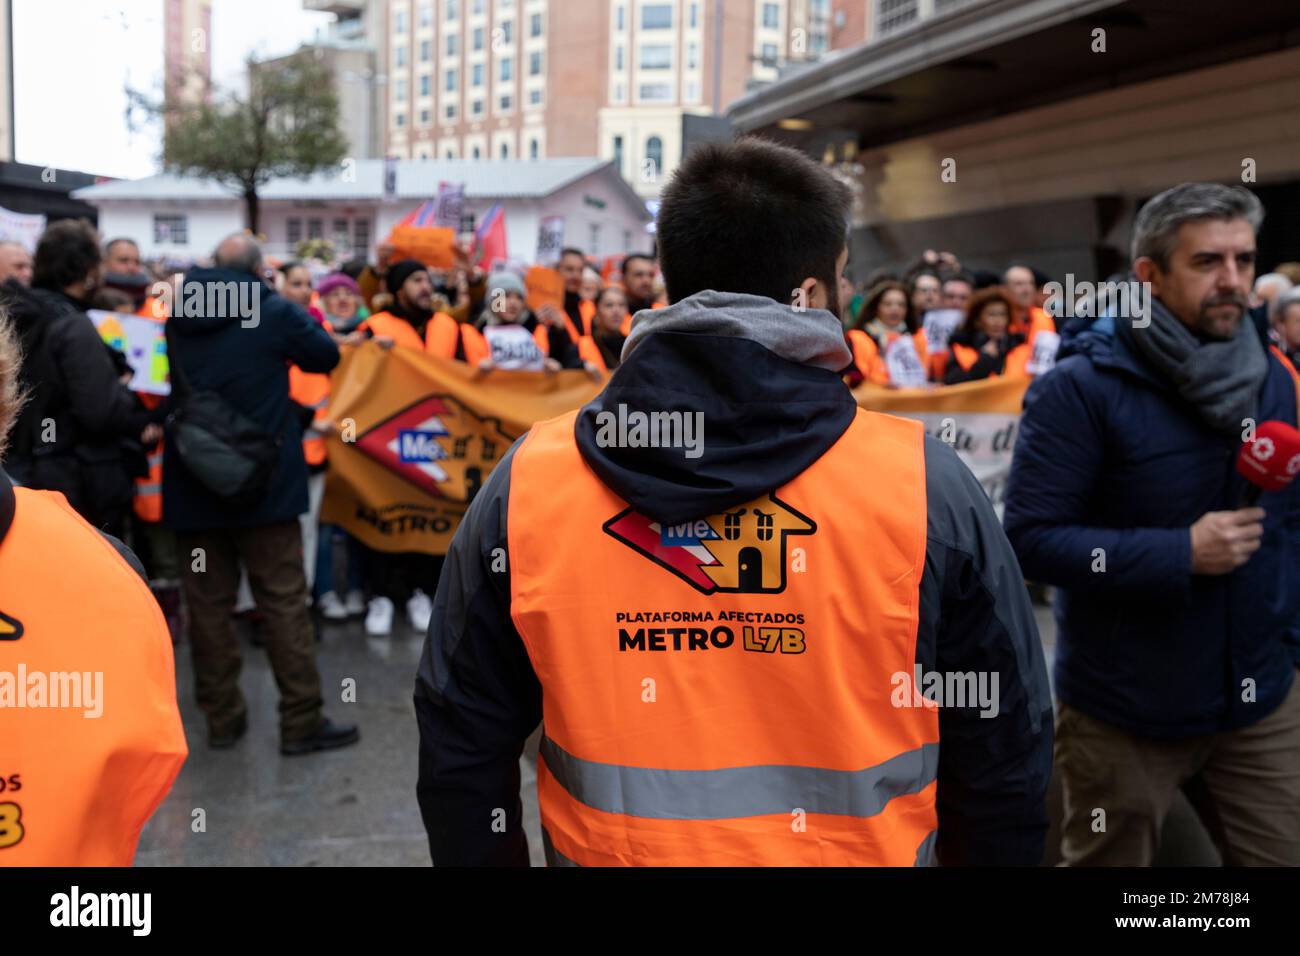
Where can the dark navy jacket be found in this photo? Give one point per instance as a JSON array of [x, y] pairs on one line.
[[767, 419], [249, 368], [1112, 464]]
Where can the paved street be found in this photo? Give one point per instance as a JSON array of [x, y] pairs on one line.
[[357, 806]]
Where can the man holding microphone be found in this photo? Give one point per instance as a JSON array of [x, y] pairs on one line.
[[1178, 611]]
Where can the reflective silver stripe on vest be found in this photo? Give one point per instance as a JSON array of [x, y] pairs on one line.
[[925, 852], [740, 791], [553, 856]]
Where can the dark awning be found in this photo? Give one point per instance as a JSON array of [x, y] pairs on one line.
[[1005, 56]]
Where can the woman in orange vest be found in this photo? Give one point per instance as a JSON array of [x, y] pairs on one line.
[[885, 318], [90, 733], [983, 347], [604, 347], [509, 336]]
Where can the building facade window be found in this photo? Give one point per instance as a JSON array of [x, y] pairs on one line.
[[315, 229], [654, 154], [655, 92], [400, 56], [657, 16], [451, 81], [534, 97], [476, 108], [292, 230], [399, 91], [506, 103], [508, 31], [478, 38], [451, 9], [505, 151], [426, 15], [507, 69], [535, 25], [771, 16], [692, 56], [452, 46], [476, 75], [360, 236], [535, 64], [618, 57], [656, 56], [400, 23], [426, 51], [533, 149], [618, 153], [769, 54]]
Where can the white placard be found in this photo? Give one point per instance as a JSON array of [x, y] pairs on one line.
[[904, 363], [938, 326], [1042, 358], [513, 347]]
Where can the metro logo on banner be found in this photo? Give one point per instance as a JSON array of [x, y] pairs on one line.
[[418, 438], [411, 444]]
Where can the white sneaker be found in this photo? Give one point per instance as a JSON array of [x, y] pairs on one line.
[[419, 609], [331, 608], [379, 618], [355, 604]]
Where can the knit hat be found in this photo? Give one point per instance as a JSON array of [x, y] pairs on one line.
[[505, 282], [399, 272], [337, 280]]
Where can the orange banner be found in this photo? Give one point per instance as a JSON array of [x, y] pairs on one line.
[[417, 436]]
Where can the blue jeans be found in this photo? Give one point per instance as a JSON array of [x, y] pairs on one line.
[[356, 560]]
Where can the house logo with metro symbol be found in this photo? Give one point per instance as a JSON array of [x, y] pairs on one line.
[[739, 551], [438, 445]]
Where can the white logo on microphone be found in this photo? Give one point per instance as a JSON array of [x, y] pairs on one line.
[[1262, 448], [1293, 466]]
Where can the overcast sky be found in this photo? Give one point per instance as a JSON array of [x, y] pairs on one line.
[[73, 60]]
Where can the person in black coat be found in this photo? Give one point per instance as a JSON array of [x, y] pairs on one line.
[[231, 334], [81, 423]]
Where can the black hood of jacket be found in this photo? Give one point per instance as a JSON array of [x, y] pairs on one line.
[[765, 418]]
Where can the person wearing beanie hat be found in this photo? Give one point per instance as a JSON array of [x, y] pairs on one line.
[[340, 298], [497, 345], [413, 320]]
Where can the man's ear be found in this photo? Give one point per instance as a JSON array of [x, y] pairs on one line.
[[1146, 270], [803, 296]]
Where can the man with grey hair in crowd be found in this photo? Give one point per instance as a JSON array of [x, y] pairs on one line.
[[1268, 289], [239, 349], [1178, 610], [15, 263]]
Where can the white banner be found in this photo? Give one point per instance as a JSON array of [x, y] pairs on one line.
[[21, 228]]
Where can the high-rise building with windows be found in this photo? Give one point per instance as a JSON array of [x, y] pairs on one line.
[[612, 78]]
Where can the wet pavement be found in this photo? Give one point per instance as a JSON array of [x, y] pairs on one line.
[[356, 806]]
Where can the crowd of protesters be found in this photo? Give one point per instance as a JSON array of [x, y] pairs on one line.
[[85, 433]]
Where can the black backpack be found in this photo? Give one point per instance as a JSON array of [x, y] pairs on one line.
[[225, 450]]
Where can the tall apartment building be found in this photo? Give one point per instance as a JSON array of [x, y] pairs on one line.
[[610, 78], [187, 49]]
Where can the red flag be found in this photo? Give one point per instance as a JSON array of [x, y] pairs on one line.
[[490, 237]]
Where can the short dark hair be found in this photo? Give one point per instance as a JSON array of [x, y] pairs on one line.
[[980, 301], [67, 252], [633, 257], [750, 216], [353, 268], [570, 251]]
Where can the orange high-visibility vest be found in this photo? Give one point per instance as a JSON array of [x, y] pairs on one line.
[[1016, 363], [589, 351], [866, 354], [586, 313], [477, 349], [311, 390], [752, 721], [626, 327], [78, 788], [440, 332]]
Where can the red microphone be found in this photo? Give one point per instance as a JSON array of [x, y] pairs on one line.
[[1270, 461]]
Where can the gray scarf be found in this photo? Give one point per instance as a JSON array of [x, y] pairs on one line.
[[1222, 379], [811, 337]]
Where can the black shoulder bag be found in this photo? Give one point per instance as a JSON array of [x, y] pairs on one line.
[[225, 450]]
